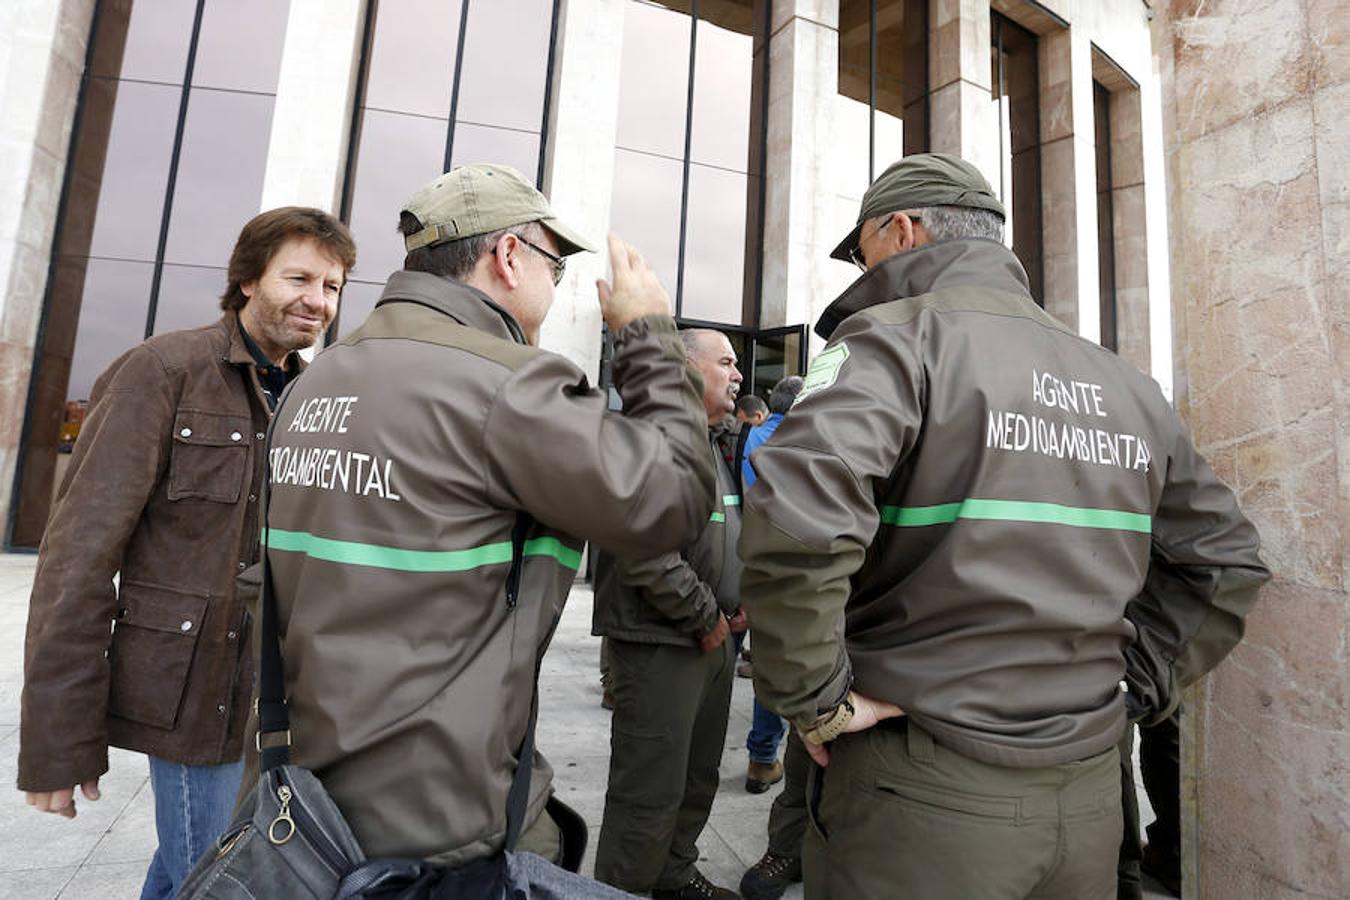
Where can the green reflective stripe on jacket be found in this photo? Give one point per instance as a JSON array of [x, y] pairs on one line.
[[731, 499], [357, 554], [1017, 511]]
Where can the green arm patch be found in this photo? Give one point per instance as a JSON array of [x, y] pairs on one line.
[[823, 371]]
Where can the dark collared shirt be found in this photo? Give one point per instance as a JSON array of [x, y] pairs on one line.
[[271, 376]]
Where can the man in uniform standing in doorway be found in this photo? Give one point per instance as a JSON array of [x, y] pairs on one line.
[[972, 527], [667, 619]]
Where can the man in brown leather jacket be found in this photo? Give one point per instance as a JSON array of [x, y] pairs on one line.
[[667, 619], [162, 494], [406, 464], [978, 518]]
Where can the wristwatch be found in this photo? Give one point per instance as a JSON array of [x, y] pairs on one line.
[[831, 724]]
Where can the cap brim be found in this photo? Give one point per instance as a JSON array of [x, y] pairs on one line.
[[847, 245], [569, 241]]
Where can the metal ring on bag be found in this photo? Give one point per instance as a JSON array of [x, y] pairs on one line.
[[272, 830]]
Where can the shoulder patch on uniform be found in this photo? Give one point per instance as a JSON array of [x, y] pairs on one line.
[[823, 371]]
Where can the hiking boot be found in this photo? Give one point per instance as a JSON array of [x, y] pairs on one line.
[[759, 777], [696, 888], [770, 877], [606, 700]]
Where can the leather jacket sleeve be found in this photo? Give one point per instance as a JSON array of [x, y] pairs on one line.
[[117, 462], [636, 483], [672, 588], [811, 515], [1204, 574]]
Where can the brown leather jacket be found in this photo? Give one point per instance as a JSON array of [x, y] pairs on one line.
[[401, 461], [162, 491], [977, 515]]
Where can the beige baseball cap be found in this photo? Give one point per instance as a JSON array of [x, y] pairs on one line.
[[480, 199]]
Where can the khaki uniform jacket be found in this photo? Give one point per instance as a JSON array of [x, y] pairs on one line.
[[162, 491], [676, 598], [400, 463], [987, 520]]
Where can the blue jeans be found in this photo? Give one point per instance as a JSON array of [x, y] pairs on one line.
[[192, 807], [766, 732]]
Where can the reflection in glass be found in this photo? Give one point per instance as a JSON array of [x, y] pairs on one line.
[[723, 72], [220, 175], [240, 44], [480, 144], [714, 252], [412, 57], [135, 170], [397, 155], [509, 95], [111, 311], [645, 210], [189, 297], [1016, 94], [145, 40], [358, 299], [900, 110], [653, 80]]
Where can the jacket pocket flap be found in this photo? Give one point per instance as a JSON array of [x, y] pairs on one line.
[[208, 429], [161, 609]]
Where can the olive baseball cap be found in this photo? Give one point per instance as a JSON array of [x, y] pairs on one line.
[[481, 199], [924, 179]]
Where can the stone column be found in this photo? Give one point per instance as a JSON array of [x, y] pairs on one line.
[[1259, 146], [963, 119], [579, 168], [311, 122], [1068, 181], [799, 192], [42, 50]]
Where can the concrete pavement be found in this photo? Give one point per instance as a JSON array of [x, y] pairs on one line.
[[102, 854]]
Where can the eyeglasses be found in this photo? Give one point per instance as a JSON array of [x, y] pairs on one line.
[[856, 253], [558, 263]]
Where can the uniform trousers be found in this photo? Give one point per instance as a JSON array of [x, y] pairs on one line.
[[896, 815], [669, 724]]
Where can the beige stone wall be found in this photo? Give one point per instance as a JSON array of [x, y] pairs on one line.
[[42, 48], [1255, 95]]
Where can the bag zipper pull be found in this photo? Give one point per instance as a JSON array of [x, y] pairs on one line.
[[283, 818]]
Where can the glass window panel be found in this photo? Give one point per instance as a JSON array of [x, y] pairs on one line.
[[646, 209], [1016, 95], [1106, 244], [714, 257], [220, 174], [854, 49], [398, 154], [135, 172], [902, 74], [189, 297], [723, 71], [358, 299], [477, 144], [412, 57], [112, 309], [240, 44], [146, 39], [654, 80], [511, 95]]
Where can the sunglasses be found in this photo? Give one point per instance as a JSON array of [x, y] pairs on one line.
[[558, 263]]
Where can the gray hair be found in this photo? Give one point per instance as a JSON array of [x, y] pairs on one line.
[[456, 259], [784, 393], [692, 338], [944, 222]]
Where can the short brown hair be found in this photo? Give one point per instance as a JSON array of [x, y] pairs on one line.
[[263, 236]]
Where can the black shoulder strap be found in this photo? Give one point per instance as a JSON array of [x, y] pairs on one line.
[[518, 797]]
